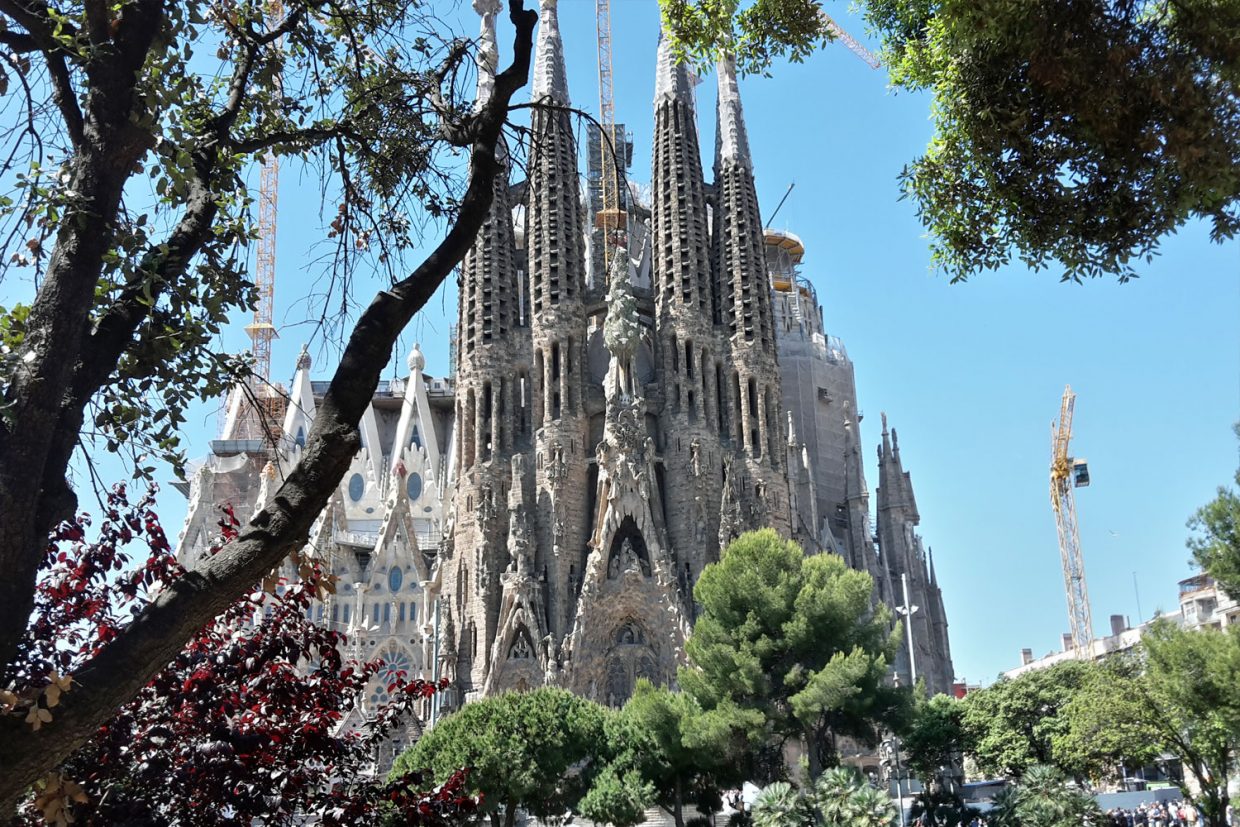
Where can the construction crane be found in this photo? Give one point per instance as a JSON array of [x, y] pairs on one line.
[[847, 39], [261, 330], [1067, 474], [612, 218]]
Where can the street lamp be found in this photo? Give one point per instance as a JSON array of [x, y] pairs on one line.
[[889, 761], [907, 611]]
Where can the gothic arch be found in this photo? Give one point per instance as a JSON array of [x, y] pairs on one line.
[[522, 646], [628, 550]]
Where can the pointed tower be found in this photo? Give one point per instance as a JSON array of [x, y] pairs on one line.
[[492, 416], [554, 239], [860, 537], [690, 363], [753, 388], [938, 624], [903, 557]]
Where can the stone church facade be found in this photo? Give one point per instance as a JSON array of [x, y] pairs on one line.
[[540, 517]]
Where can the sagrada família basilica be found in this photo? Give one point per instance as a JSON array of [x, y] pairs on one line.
[[622, 404]]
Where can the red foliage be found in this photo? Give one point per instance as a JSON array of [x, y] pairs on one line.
[[246, 722]]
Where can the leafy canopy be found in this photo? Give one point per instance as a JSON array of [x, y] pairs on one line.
[[249, 713], [1017, 723], [934, 737], [534, 750], [1216, 542], [839, 798], [796, 639], [672, 751], [1182, 696], [1073, 134]]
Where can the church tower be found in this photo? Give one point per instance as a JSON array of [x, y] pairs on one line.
[[691, 369], [905, 561], [492, 409], [756, 488], [555, 239]]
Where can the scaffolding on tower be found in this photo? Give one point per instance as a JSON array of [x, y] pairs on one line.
[[1067, 474]]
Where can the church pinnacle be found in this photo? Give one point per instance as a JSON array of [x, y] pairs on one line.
[[550, 77], [732, 141], [488, 50]]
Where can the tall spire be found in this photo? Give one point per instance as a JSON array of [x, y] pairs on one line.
[[550, 77], [744, 286], [732, 141], [488, 50], [671, 77]]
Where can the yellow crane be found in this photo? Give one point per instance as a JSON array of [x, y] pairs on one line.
[[267, 403], [612, 218], [1067, 474], [847, 39]]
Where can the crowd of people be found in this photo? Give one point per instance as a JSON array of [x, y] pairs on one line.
[[1160, 814]]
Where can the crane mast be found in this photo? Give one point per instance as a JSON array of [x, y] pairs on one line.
[[262, 421], [1067, 474], [612, 218]]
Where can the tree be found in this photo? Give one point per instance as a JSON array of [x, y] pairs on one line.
[[1106, 731], [1216, 546], [839, 798], [243, 725], [533, 750], [618, 797], [780, 804], [796, 639], [934, 742], [1183, 697], [1042, 799], [934, 737], [681, 752], [1017, 723], [1076, 133], [128, 298]]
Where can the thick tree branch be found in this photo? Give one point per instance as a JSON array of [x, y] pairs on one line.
[[65, 97], [18, 42], [297, 137], [167, 623], [59, 317], [113, 335]]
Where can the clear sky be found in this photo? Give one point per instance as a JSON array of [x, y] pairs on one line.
[[971, 375]]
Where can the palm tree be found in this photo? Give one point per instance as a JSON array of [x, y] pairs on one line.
[[839, 799], [1044, 799], [781, 805], [833, 795]]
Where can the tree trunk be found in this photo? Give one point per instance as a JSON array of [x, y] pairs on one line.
[[107, 143], [162, 629], [510, 813], [813, 753], [678, 804]]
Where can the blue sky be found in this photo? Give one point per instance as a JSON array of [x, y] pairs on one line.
[[970, 375]]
